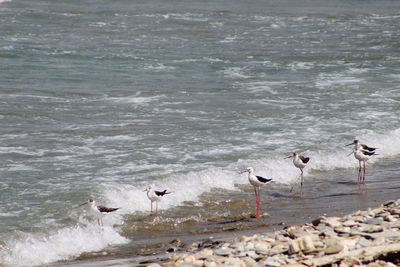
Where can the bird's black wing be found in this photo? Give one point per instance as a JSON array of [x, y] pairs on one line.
[[365, 147], [263, 180], [161, 193], [105, 209], [304, 159], [369, 153]]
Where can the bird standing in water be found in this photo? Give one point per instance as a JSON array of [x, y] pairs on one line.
[[256, 182], [300, 162], [154, 196], [98, 210], [362, 153]]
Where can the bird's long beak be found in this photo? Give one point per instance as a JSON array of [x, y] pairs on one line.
[[81, 205], [288, 157], [350, 144], [242, 171]]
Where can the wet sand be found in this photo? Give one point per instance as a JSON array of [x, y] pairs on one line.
[[222, 215]]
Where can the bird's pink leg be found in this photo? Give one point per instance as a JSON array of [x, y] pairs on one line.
[[364, 173], [359, 172], [255, 192], [258, 204], [156, 211], [267, 202], [151, 209], [301, 182]]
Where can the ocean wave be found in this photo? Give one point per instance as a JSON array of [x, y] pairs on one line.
[[70, 242], [111, 139], [189, 186], [66, 243], [136, 99], [158, 67], [235, 72], [338, 79]]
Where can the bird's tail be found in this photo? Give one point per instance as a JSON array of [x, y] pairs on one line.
[[165, 192]]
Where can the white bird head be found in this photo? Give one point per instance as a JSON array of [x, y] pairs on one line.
[[292, 156], [248, 169], [148, 188], [355, 142], [90, 201]]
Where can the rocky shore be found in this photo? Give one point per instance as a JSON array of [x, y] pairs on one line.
[[370, 238]]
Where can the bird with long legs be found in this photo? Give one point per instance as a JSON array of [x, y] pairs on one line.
[[154, 196], [362, 156], [256, 182], [300, 162], [98, 210], [362, 153]]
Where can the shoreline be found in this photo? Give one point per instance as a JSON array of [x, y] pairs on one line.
[[336, 196], [363, 237]]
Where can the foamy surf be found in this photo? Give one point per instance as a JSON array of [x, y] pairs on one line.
[[189, 186], [66, 243], [70, 242]]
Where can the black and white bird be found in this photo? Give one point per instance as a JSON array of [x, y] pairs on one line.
[[300, 162], [98, 210], [362, 156], [362, 153], [357, 145], [256, 182], [154, 196]]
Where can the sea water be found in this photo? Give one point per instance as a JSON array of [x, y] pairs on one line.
[[104, 97]]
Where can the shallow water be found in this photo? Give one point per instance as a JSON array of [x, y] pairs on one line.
[[224, 216], [101, 98]]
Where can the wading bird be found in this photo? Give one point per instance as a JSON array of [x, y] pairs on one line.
[[300, 162], [362, 153], [362, 156], [154, 196], [256, 182], [98, 210]]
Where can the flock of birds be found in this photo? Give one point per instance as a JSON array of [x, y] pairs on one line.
[[361, 152]]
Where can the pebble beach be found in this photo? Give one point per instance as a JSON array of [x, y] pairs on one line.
[[363, 238]]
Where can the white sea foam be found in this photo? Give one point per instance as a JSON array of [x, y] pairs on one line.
[[35, 250], [22, 151], [3, 1], [338, 79], [235, 72], [301, 65], [261, 87], [395, 76], [21, 167], [229, 39], [186, 16], [188, 186], [184, 187], [158, 67], [136, 99], [106, 139]]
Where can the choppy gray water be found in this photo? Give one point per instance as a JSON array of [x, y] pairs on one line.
[[102, 97]]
